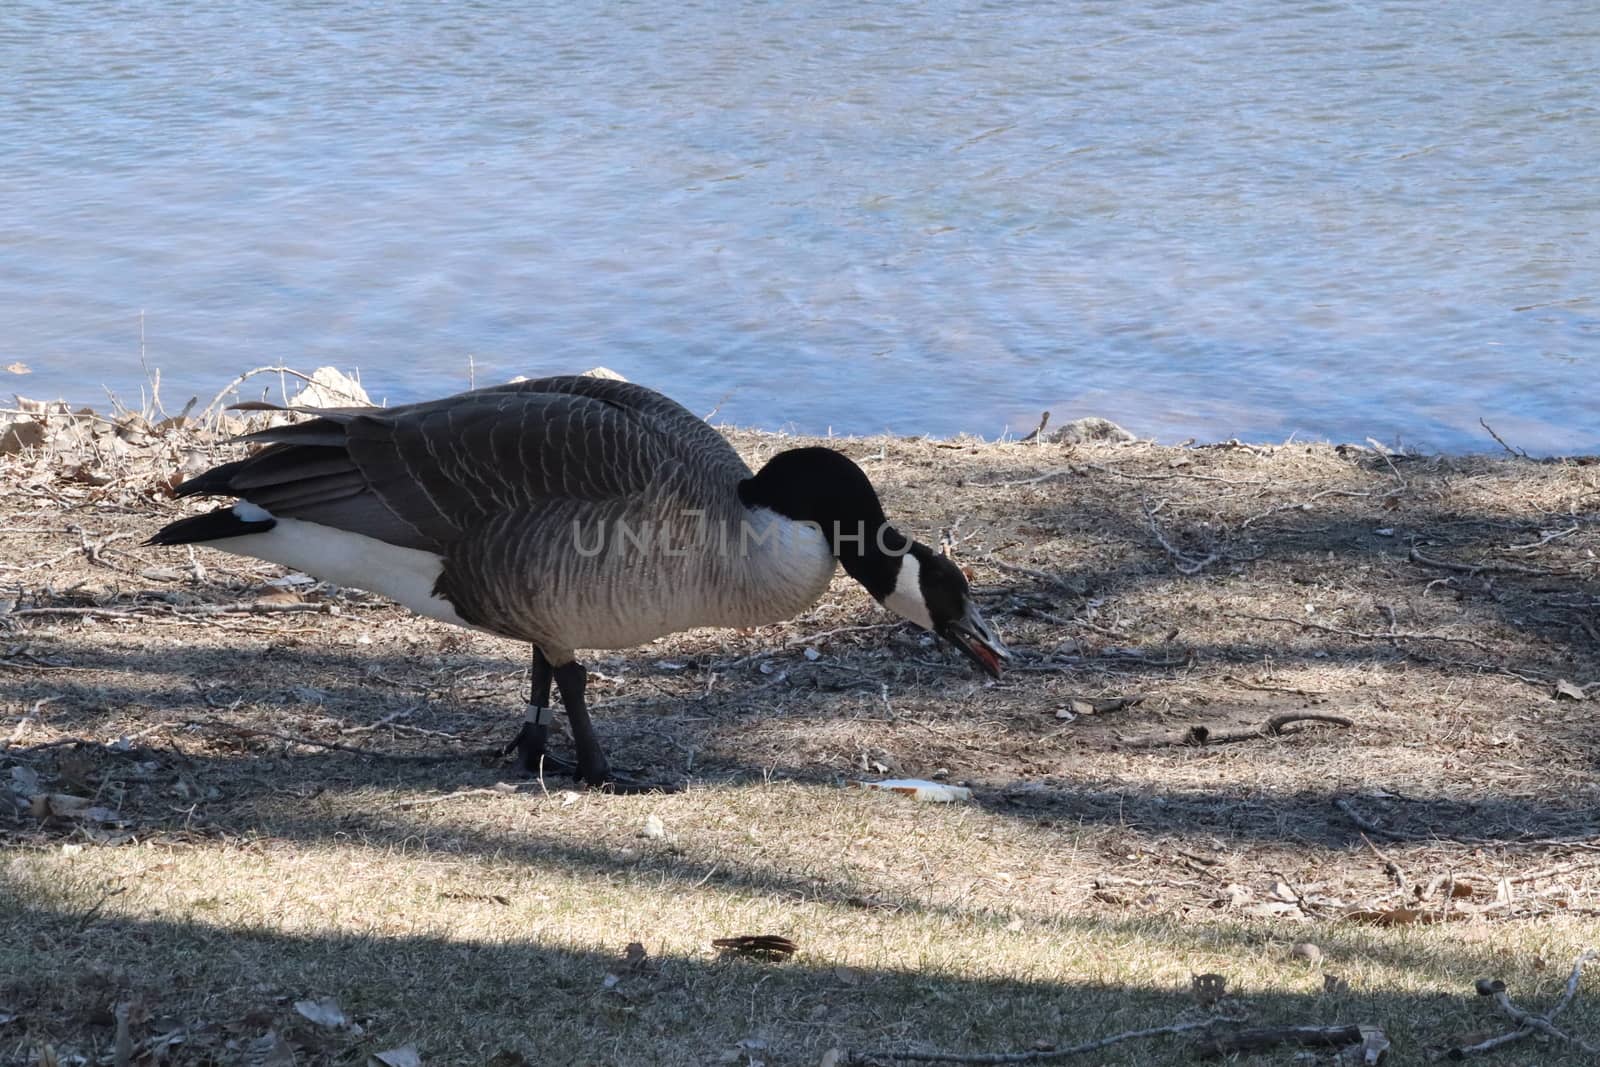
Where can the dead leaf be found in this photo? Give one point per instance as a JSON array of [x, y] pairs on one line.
[[1570, 691], [1397, 916], [478, 898], [19, 368], [768, 946], [404, 1056], [635, 957], [25, 782], [270, 1050], [58, 805], [1374, 1045], [1274, 909], [325, 1011], [1207, 989], [122, 1043], [77, 770], [20, 436]]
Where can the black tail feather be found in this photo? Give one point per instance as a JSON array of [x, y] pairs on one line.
[[212, 526], [213, 482]]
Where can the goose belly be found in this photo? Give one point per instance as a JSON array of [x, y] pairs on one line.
[[405, 575], [595, 586]]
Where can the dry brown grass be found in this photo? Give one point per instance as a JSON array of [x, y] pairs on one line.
[[1434, 602]]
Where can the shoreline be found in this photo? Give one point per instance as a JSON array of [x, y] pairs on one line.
[[58, 427], [1264, 696]]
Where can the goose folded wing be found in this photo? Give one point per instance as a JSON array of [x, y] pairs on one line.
[[425, 474]]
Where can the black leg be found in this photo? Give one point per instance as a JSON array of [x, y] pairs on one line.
[[530, 742], [592, 767]]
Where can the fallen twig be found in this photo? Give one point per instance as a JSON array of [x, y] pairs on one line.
[[442, 798], [1491, 567], [1364, 635], [205, 412], [1037, 435], [865, 1059], [1265, 1037], [1545, 540], [1059, 472], [241, 607], [335, 746], [1301, 505], [1529, 1023], [1185, 563], [1017, 568], [1199, 736], [1363, 822], [1390, 867], [1514, 452]]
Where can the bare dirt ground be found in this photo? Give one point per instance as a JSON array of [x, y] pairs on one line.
[[228, 795]]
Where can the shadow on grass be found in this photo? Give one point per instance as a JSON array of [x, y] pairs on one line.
[[461, 1001], [339, 696]]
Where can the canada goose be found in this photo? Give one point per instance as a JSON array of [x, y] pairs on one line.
[[571, 512]]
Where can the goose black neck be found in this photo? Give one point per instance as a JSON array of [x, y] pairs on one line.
[[824, 487]]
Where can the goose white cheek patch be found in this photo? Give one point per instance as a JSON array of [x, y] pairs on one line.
[[906, 600]]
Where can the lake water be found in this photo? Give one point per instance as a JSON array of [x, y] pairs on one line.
[[1241, 218]]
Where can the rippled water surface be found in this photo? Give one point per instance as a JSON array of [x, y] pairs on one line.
[[1210, 219]]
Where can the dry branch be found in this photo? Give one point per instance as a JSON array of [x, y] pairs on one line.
[[281, 371], [1364, 635], [1197, 736], [241, 730], [1266, 1037], [1514, 452], [1365, 823], [867, 1059], [1301, 505], [1491, 567], [1186, 564], [1529, 1023], [144, 611]]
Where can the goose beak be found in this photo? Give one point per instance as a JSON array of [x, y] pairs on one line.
[[971, 634]]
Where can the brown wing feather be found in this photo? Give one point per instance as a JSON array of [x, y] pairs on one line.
[[422, 475]]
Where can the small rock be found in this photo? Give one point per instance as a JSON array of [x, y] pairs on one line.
[[1092, 428], [1566, 690], [330, 388], [1305, 950]]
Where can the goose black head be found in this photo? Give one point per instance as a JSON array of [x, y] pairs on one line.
[[932, 592], [824, 487]]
